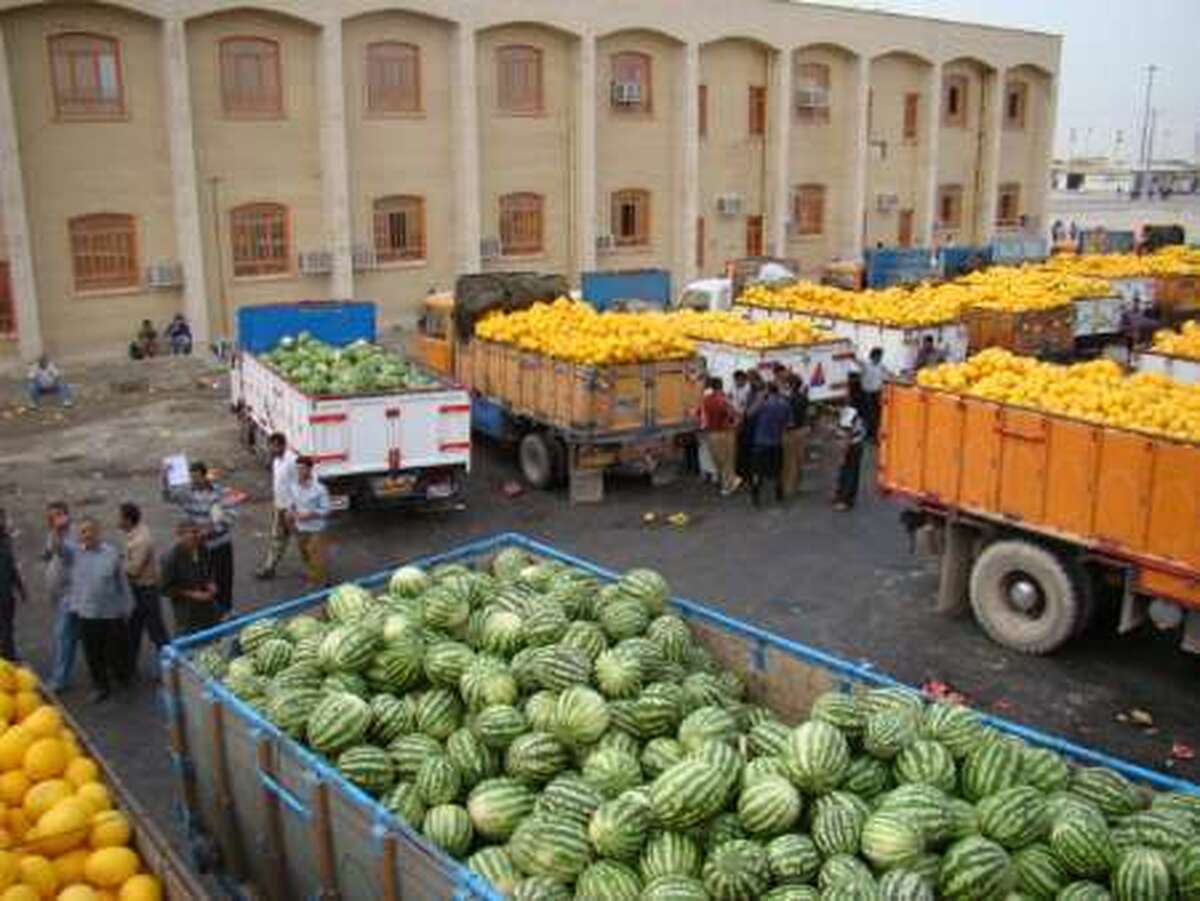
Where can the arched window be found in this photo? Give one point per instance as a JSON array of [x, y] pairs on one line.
[[521, 224], [519, 79], [104, 251], [949, 206], [399, 228], [250, 77], [1016, 97], [812, 95], [808, 210], [261, 243], [86, 73], [393, 78], [631, 83], [954, 101], [631, 217]]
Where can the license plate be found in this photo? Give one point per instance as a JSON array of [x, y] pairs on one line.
[[392, 486], [339, 502], [440, 490]]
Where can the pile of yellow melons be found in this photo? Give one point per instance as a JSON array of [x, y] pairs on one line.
[[60, 835], [1174, 260], [1096, 391], [1183, 343], [1017, 289], [734, 329]]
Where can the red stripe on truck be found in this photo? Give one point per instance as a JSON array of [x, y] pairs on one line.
[[455, 446], [454, 408], [325, 418], [333, 457]]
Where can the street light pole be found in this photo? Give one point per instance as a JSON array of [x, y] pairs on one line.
[[1143, 160]]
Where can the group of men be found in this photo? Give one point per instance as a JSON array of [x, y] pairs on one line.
[[107, 597]]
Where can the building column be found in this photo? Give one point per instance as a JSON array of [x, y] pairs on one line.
[[585, 153], [16, 222], [779, 179], [689, 166], [927, 212], [856, 195], [335, 165], [466, 149], [1037, 209], [189, 244], [989, 163]]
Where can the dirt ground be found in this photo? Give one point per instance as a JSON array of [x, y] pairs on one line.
[[846, 583]]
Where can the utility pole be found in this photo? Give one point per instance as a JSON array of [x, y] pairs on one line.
[[1143, 155]]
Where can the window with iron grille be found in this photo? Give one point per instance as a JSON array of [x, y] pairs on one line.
[[250, 77], [399, 228], [1008, 205], [949, 206], [521, 223], [954, 101], [1016, 97], [519, 79], [812, 95], [912, 106], [631, 217], [631, 86], [758, 111], [86, 74], [754, 236], [808, 210], [393, 78], [261, 243], [104, 251]]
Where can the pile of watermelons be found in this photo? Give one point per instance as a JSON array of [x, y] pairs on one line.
[[571, 739]]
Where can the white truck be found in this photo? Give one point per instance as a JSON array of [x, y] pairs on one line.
[[408, 446], [825, 367], [1181, 369]]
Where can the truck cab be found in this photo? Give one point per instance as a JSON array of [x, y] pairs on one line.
[[432, 345]]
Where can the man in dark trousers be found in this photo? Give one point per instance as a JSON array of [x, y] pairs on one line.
[[12, 590], [851, 435], [770, 422], [141, 568], [187, 580], [98, 595], [202, 502]]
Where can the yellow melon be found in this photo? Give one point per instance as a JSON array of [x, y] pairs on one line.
[[45, 795], [8, 676], [95, 795], [13, 786], [64, 826], [8, 706], [13, 744], [39, 873], [9, 868], [79, 771], [78, 892], [142, 887], [27, 703], [69, 866], [109, 867], [18, 823], [45, 759], [110, 829], [26, 679], [43, 720], [21, 892]]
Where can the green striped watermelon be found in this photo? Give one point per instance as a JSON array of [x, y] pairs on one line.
[[760, 768], [438, 780], [890, 839], [449, 827], [736, 870], [1084, 890], [659, 754], [975, 869], [495, 865], [535, 757], [405, 802], [675, 888], [612, 771], [793, 858], [1161, 829], [672, 635], [927, 761], [608, 880], [839, 709], [1142, 875], [446, 661], [646, 586], [618, 675], [560, 667], [724, 827], [552, 846], [369, 767], [1110, 791], [619, 827], [1039, 874], [904, 885], [587, 637], [888, 732], [539, 710], [508, 563], [1045, 770], [1014, 817], [769, 738], [348, 603], [540, 888], [837, 829], [624, 618], [669, 854], [817, 757], [497, 806], [687, 793], [408, 752], [992, 767], [338, 721], [1187, 871], [570, 797], [498, 726], [290, 708], [543, 625], [390, 718], [408, 582], [501, 632], [444, 608], [439, 712], [958, 728], [706, 724], [473, 760], [867, 777], [792, 893], [1082, 843], [845, 871], [272, 655], [581, 716], [769, 806], [928, 806], [254, 634]]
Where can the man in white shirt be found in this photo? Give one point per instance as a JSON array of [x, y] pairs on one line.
[[283, 481], [309, 514], [43, 379], [873, 375]]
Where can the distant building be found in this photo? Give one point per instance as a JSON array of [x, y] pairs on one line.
[[1101, 175]]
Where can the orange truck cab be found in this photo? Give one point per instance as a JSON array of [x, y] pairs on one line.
[[432, 344]]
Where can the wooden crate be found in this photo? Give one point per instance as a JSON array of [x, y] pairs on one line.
[[529, 374], [1023, 332], [676, 387]]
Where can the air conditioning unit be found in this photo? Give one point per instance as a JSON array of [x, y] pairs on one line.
[[164, 274], [729, 204], [316, 262], [364, 258], [886, 203], [626, 93], [812, 98], [490, 249], [604, 242]]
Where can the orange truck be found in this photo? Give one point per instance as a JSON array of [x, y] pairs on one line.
[[1039, 518]]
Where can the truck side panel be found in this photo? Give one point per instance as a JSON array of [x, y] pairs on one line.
[[1129, 495]]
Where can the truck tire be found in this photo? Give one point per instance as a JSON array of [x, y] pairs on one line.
[[1024, 596], [536, 459]]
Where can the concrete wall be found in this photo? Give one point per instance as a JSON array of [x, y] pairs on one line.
[[327, 161], [962, 149]]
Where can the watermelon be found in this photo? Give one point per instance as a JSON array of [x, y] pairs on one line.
[[501, 632], [1014, 817], [618, 828], [904, 885], [608, 880], [669, 854], [769, 738], [257, 632], [369, 767], [1083, 845], [302, 626], [559, 667], [724, 827], [535, 757], [439, 712], [618, 675], [927, 761], [495, 865], [498, 726], [539, 710], [348, 683], [687, 793], [647, 586], [580, 717], [348, 603], [792, 893], [612, 771], [837, 829], [975, 869], [485, 684], [867, 777], [290, 708], [446, 661], [1161, 829], [449, 827], [769, 806], [1084, 890], [408, 582], [1107, 789], [349, 648], [991, 767], [672, 635], [544, 625], [568, 796], [339, 721], [444, 608], [1187, 806], [841, 710], [552, 846], [405, 802], [540, 888], [1142, 875], [657, 711], [793, 858], [735, 870], [497, 806], [587, 637], [508, 563], [397, 667], [1039, 874], [624, 618], [761, 768], [437, 780], [1045, 770], [888, 732], [817, 757], [890, 839], [958, 729], [1187, 871], [660, 754], [272, 655], [674, 888], [845, 870], [408, 752]]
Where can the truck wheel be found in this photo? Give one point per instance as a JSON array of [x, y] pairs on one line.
[[1024, 597], [536, 460]]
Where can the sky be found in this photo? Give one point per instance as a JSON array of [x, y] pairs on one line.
[[1107, 45]]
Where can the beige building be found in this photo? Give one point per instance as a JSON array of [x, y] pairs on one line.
[[194, 156]]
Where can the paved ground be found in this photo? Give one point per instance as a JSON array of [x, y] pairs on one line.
[[842, 582]]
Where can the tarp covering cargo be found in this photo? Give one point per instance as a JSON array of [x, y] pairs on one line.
[[475, 295], [889, 266]]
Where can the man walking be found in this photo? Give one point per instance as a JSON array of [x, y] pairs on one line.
[[187, 581], [60, 543], [141, 568], [100, 598], [851, 434], [874, 373], [310, 512], [12, 590], [717, 419], [201, 502], [770, 421], [283, 478]]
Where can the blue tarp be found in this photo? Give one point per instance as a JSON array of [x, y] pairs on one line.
[[603, 290], [337, 322], [887, 266], [954, 261]]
